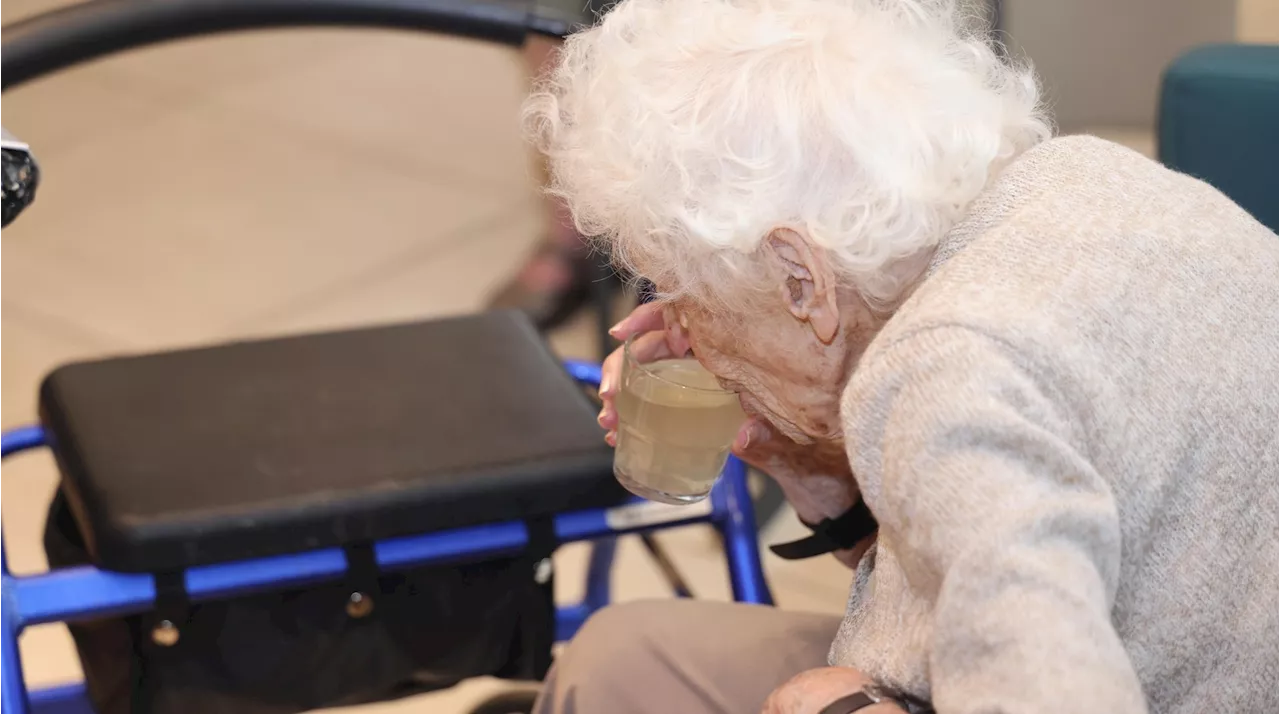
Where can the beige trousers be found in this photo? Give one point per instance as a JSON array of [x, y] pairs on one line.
[[683, 657]]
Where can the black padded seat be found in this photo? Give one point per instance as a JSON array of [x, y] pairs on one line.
[[262, 448]]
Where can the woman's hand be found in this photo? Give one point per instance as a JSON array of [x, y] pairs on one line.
[[654, 340], [811, 691]]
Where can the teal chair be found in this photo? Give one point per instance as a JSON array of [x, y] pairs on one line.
[[1218, 121]]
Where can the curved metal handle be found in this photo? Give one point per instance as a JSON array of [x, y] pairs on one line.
[[85, 31], [23, 438]]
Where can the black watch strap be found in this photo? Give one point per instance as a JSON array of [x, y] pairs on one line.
[[849, 704], [843, 531]]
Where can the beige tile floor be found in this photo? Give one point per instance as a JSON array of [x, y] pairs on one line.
[[270, 183]]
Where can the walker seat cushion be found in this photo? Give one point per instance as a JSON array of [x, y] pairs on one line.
[[261, 448]]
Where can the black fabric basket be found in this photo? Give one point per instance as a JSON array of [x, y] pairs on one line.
[[297, 650]]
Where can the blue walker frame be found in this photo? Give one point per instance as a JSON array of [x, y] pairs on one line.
[[87, 592]]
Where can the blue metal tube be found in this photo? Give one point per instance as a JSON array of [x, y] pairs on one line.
[[569, 618], [21, 439], [13, 691], [734, 514], [87, 592], [78, 593], [588, 373], [490, 540], [63, 699], [599, 572]]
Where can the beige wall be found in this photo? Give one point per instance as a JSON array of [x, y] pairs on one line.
[[1101, 60], [1258, 20]]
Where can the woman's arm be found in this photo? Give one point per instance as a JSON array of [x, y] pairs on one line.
[[999, 515]]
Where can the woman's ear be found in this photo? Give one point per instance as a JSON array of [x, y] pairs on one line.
[[808, 281]]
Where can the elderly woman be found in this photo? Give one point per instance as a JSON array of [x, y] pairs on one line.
[[1047, 366]]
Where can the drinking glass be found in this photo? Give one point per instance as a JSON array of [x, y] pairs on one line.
[[675, 429]]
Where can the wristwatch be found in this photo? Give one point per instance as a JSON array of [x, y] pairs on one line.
[[869, 694]]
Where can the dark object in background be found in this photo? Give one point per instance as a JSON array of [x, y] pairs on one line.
[[19, 177], [268, 447], [304, 649], [1218, 117]]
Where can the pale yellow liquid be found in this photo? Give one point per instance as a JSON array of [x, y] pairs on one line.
[[673, 442]]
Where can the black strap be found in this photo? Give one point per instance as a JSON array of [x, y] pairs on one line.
[[173, 604], [362, 567], [171, 589], [538, 629], [849, 704], [832, 534], [542, 537]]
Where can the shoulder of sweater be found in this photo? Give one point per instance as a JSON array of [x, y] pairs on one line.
[[1063, 198], [1079, 167], [1088, 149], [1087, 161], [913, 347]]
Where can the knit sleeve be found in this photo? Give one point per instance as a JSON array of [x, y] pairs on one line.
[[984, 483]]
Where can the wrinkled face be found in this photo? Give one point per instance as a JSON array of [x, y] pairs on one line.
[[780, 370], [790, 352]]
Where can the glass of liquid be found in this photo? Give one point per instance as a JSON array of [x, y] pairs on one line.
[[675, 429]]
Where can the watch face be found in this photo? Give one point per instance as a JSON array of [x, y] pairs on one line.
[[19, 177]]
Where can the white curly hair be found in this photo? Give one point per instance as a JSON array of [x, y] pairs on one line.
[[683, 132]]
